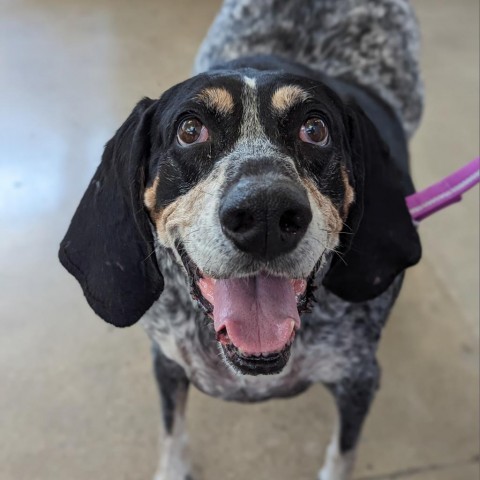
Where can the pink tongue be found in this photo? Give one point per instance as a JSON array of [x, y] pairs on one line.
[[258, 312]]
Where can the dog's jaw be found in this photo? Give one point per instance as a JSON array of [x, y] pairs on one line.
[[241, 352]]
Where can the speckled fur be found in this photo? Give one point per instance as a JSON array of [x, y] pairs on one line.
[[372, 43], [337, 341]]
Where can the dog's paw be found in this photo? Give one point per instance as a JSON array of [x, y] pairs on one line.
[[329, 474], [339, 468], [174, 474], [187, 476], [324, 474]]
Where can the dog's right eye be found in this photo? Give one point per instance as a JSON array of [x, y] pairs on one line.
[[191, 131], [314, 131]]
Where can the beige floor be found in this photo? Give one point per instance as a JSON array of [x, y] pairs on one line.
[[77, 400]]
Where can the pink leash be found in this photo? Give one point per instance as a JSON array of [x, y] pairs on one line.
[[424, 203]]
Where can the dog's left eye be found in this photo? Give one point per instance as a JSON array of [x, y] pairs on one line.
[[314, 131], [191, 131]]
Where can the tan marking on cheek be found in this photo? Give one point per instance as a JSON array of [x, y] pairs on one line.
[[286, 97], [178, 215], [332, 217], [150, 197], [184, 211], [349, 193], [218, 99]]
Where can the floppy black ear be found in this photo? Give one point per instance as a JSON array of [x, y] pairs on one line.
[[108, 246], [384, 241]]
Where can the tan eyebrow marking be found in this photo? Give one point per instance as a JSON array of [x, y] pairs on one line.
[[218, 99], [286, 97]]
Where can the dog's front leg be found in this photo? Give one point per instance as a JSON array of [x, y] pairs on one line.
[[173, 388], [353, 397]]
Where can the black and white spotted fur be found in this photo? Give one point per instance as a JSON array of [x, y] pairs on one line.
[[336, 346], [373, 47], [374, 44]]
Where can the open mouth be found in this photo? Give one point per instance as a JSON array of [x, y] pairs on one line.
[[255, 318]]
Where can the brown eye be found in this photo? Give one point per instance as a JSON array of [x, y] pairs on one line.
[[191, 131], [314, 131]]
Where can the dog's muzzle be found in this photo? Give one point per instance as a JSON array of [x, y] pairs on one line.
[[256, 313], [265, 216]]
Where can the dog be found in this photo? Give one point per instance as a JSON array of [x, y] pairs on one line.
[[253, 218]]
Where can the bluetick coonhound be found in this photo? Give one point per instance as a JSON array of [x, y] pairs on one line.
[[257, 210]]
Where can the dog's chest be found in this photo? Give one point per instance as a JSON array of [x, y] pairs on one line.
[[336, 338], [200, 356], [333, 339]]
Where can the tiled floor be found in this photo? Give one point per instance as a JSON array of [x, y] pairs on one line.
[[77, 400]]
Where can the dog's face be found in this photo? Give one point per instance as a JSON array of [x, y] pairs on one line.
[[249, 184], [251, 179]]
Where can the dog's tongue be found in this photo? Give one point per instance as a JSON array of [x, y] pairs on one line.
[[259, 312]]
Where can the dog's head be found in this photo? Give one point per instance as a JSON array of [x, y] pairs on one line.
[[253, 180]]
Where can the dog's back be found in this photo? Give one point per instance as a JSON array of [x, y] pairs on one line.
[[371, 43]]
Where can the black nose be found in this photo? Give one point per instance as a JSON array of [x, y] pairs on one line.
[[265, 217]]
